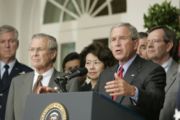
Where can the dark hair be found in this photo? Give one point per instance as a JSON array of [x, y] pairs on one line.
[[69, 57], [169, 36], [103, 53], [142, 35]]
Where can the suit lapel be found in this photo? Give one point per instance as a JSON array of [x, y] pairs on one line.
[[14, 72], [131, 73], [171, 75], [52, 83]]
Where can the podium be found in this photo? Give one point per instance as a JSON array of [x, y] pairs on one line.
[[77, 106]]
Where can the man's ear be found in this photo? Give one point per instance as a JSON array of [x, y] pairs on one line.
[[136, 43], [169, 46], [54, 54], [17, 43]]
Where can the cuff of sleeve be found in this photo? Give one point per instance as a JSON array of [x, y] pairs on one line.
[[135, 97]]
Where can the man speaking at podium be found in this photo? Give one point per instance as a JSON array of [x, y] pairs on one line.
[[140, 83], [43, 52]]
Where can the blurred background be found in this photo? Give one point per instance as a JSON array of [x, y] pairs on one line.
[[75, 23]]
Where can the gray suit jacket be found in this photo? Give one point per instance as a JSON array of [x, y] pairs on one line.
[[171, 89], [149, 78], [21, 87]]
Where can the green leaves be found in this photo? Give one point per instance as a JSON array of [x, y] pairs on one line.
[[163, 14]]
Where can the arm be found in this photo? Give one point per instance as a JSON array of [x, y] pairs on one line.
[[152, 94], [10, 104]]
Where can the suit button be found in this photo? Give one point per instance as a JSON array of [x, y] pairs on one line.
[[0, 106], [1, 94]]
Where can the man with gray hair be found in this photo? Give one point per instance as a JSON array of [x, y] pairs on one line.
[[133, 82], [160, 46], [9, 65], [43, 53]]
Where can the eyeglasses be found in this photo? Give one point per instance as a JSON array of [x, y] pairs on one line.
[[155, 41]]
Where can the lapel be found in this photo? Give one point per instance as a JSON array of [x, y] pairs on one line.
[[171, 75], [16, 70], [131, 74], [52, 83]]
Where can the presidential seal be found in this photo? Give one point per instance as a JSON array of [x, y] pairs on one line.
[[54, 111]]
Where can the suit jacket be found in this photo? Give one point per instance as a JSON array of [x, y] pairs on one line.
[[18, 69], [171, 92], [21, 87], [149, 78], [178, 93]]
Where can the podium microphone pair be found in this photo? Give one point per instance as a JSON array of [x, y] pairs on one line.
[[61, 81], [74, 73]]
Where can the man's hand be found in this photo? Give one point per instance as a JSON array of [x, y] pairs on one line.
[[45, 89], [119, 87]]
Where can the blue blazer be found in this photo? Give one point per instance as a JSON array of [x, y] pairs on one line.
[[18, 69]]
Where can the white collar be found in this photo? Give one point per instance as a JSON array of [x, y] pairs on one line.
[[167, 64]]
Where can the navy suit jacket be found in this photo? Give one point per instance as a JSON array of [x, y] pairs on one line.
[[149, 78], [18, 69]]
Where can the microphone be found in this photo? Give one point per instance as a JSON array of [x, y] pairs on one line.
[[61, 81], [75, 73]]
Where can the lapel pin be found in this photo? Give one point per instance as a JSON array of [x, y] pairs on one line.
[[132, 75]]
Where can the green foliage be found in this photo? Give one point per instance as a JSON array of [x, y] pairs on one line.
[[163, 14]]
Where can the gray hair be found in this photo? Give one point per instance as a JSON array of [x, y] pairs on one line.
[[132, 29], [52, 43], [8, 28]]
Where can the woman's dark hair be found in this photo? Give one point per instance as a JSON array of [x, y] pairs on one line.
[[103, 53], [69, 57]]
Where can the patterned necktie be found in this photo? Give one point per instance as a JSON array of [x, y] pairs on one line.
[[37, 84], [120, 74], [6, 74]]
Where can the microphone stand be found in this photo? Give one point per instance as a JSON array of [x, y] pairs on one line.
[[61, 82]]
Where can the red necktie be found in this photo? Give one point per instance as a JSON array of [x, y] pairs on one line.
[[120, 74]]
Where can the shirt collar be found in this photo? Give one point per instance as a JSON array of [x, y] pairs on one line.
[[47, 73], [127, 64], [11, 65], [167, 64]]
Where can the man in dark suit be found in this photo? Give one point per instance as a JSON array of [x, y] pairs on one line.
[[161, 43], [8, 47], [178, 93], [43, 52], [141, 86]]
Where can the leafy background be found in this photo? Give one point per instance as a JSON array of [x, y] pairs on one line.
[[164, 14]]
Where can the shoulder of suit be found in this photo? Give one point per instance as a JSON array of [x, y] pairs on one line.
[[23, 67], [111, 69], [24, 75], [148, 63]]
